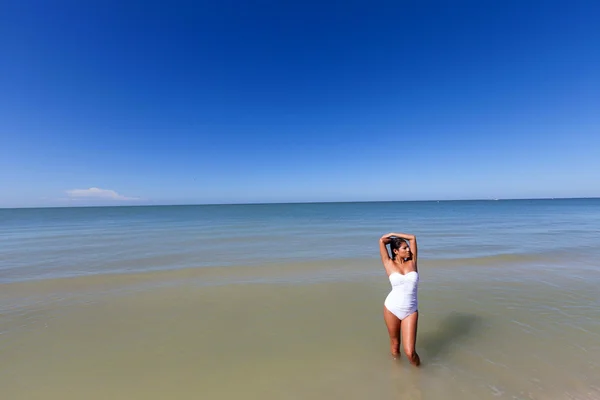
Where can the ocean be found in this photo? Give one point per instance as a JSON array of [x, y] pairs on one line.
[[285, 301]]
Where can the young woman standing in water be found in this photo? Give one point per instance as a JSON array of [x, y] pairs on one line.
[[400, 310]]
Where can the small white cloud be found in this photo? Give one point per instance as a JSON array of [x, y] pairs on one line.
[[97, 194]]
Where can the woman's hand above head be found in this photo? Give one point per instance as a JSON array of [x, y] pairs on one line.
[[385, 239], [405, 236]]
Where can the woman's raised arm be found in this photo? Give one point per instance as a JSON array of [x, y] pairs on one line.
[[385, 256]]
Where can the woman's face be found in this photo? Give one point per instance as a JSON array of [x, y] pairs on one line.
[[404, 251]]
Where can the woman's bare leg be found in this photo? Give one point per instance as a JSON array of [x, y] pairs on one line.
[[393, 325], [409, 337]]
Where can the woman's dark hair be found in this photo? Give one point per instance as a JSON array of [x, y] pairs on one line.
[[395, 243]]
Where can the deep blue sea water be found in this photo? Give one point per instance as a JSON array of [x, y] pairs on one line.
[[63, 242]]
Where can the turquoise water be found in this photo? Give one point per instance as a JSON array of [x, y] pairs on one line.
[[65, 242]]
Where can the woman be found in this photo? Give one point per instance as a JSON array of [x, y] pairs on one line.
[[400, 308]]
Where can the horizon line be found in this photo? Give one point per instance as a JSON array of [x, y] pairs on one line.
[[300, 202]]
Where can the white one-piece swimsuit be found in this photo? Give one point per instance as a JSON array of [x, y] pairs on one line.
[[402, 300]]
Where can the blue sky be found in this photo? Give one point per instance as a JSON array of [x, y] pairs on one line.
[[271, 101]]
